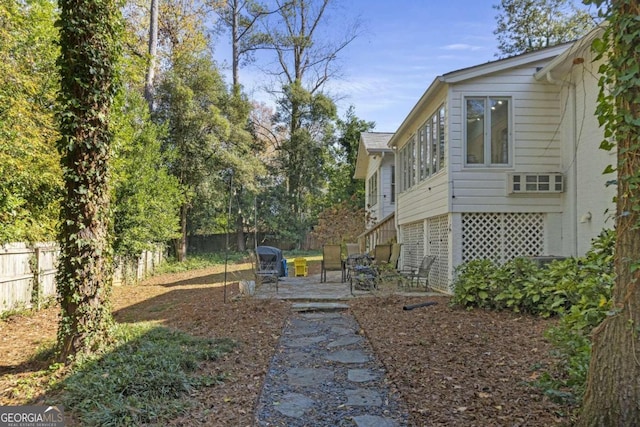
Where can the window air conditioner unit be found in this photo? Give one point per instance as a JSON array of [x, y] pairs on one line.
[[535, 183]]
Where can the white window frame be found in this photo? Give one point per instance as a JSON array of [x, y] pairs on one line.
[[373, 189], [432, 159], [393, 184], [487, 131]]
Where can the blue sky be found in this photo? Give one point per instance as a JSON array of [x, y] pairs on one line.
[[403, 46]]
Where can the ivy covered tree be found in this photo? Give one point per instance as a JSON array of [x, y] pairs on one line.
[[613, 387], [528, 25], [88, 64]]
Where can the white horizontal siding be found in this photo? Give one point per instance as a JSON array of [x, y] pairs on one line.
[[535, 138], [386, 207], [425, 200], [594, 197], [500, 204]]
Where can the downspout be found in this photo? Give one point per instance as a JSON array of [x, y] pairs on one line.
[[573, 202], [397, 198]]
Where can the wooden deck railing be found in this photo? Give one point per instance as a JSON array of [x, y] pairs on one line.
[[381, 233]]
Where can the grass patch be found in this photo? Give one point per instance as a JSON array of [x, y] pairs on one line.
[[19, 310], [142, 380], [198, 261]]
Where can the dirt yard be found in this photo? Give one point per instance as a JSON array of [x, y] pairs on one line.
[[453, 367]]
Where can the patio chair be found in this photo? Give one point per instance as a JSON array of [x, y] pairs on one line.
[[388, 271], [422, 272], [395, 255], [331, 261], [381, 254], [353, 249]]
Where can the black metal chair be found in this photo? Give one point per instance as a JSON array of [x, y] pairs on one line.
[[422, 272]]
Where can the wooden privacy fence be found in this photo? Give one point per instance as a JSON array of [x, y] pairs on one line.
[[28, 272]]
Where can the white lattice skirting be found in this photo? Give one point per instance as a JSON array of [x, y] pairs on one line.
[[438, 239], [502, 236]]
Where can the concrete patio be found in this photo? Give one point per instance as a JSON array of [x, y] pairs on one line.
[[310, 288]]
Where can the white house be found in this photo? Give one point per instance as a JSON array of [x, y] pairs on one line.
[[376, 166], [497, 161], [587, 200]]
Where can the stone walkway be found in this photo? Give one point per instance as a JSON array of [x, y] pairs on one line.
[[324, 371]]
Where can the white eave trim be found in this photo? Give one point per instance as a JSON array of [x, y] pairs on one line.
[[561, 64], [473, 72]]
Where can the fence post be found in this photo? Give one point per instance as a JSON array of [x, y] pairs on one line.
[[36, 291]]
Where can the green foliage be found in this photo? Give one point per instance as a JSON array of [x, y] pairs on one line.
[[199, 261], [300, 165], [190, 103], [606, 402], [573, 287], [146, 197], [528, 25], [344, 186], [143, 379], [587, 285], [474, 285], [30, 176]]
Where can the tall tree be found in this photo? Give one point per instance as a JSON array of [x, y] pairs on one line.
[[349, 129], [612, 395], [527, 25], [153, 53], [306, 53], [88, 63], [146, 197], [242, 18], [189, 101]]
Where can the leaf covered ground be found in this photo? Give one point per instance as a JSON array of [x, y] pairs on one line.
[[453, 367]]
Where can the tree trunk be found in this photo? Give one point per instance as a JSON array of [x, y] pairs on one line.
[[612, 395], [153, 48], [89, 52], [235, 51], [240, 233], [181, 243]]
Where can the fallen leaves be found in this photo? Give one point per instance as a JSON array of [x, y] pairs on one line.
[[452, 367]]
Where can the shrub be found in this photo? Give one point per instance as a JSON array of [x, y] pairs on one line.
[[576, 289], [474, 284]]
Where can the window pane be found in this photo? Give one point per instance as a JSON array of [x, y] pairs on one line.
[[475, 130], [422, 150], [393, 184], [434, 144], [405, 168], [427, 147], [441, 152], [412, 162], [499, 130]]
